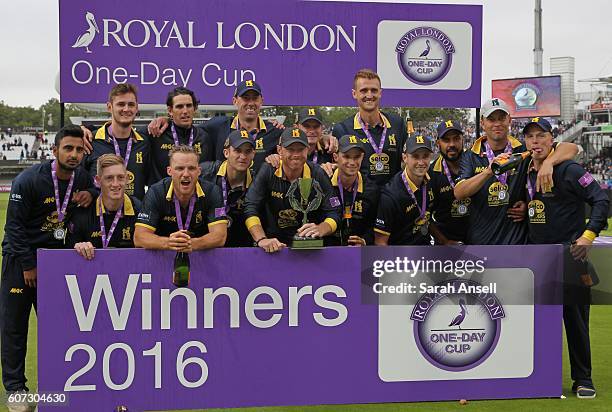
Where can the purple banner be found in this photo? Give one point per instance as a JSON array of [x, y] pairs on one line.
[[300, 52], [286, 329]]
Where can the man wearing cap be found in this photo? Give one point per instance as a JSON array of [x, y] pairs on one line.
[[179, 212], [233, 177], [358, 195], [498, 209], [450, 216], [383, 134], [270, 218], [558, 216], [182, 105], [109, 222], [40, 204], [403, 211], [119, 137]]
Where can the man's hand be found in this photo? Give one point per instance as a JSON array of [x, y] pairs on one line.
[[277, 124], [356, 241], [544, 180], [517, 211], [87, 139], [330, 143], [329, 168], [82, 198], [580, 248], [157, 126], [274, 160], [309, 230], [29, 276], [180, 241], [85, 249], [271, 245]]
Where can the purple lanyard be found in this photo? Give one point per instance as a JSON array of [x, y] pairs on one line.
[[530, 188], [177, 210], [490, 155], [377, 149], [448, 174], [423, 208], [315, 156], [61, 211], [176, 139], [341, 190], [128, 151], [106, 240]]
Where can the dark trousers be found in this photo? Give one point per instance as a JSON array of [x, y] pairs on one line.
[[16, 300], [576, 320]]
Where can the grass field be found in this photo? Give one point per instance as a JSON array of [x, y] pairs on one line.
[[601, 335]]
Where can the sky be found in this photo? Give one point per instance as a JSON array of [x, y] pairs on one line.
[[30, 50]]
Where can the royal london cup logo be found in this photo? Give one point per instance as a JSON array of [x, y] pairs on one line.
[[425, 55], [457, 328]]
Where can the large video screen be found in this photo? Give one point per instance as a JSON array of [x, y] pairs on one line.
[[530, 96]]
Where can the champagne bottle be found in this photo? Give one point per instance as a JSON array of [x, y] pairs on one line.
[[501, 166], [180, 277]]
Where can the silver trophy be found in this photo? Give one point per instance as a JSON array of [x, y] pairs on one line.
[[301, 204]]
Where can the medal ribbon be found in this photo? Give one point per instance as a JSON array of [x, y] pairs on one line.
[[490, 155], [315, 156], [61, 211], [530, 188], [128, 151], [377, 149], [177, 210], [224, 190], [175, 136], [423, 208], [341, 190], [447, 173], [106, 240]]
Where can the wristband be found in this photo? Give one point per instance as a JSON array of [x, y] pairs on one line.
[[257, 241]]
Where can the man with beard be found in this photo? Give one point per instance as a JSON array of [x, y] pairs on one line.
[[179, 213], [450, 215], [119, 138], [383, 134], [403, 211], [38, 208], [233, 177], [182, 105], [270, 218], [498, 208], [558, 216], [109, 221]]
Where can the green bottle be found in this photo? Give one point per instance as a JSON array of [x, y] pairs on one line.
[[180, 277]]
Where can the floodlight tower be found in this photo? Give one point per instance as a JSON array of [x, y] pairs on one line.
[[537, 50]]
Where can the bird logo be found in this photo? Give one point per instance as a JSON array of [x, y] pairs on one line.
[[86, 38], [458, 320], [427, 50]]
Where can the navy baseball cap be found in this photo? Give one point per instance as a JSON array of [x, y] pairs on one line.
[[239, 137], [414, 143], [293, 135], [309, 113], [448, 125], [245, 86], [541, 122], [348, 142]]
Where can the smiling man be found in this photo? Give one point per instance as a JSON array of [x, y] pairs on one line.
[[109, 221], [38, 208], [270, 218], [383, 134], [403, 212], [233, 177], [118, 137], [182, 105], [179, 212]]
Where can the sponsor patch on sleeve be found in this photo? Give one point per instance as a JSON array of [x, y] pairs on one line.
[[586, 179], [219, 211], [334, 201]]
